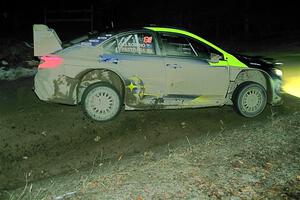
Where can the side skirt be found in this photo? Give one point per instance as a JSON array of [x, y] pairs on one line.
[[175, 102]]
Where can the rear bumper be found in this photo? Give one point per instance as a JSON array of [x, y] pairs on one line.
[[43, 88], [49, 86]]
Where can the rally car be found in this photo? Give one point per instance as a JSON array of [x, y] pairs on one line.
[[151, 68]]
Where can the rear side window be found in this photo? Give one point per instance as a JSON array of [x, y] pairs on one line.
[[136, 43]]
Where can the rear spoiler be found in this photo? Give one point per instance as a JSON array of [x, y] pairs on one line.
[[45, 40]]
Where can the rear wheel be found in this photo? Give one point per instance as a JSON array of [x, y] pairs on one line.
[[250, 99], [101, 102]]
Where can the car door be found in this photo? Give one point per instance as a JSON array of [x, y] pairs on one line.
[[137, 57], [188, 71]]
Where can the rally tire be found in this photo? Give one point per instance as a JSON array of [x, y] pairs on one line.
[[250, 99], [101, 102]]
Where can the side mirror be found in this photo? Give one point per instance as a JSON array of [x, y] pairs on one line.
[[214, 58]]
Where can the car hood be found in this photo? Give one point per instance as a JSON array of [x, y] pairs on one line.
[[259, 62]]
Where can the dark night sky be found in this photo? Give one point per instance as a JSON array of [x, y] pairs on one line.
[[231, 18]]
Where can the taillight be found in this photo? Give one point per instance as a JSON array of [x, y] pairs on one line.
[[50, 62]]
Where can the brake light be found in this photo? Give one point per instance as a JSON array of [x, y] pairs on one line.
[[50, 62]]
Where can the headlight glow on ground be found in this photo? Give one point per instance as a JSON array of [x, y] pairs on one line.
[[291, 75], [292, 86]]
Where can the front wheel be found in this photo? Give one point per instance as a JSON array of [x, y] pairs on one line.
[[250, 99], [101, 102]]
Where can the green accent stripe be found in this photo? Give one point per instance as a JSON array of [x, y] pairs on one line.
[[231, 60]]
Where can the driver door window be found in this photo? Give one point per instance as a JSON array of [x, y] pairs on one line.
[[177, 46], [203, 51], [180, 46]]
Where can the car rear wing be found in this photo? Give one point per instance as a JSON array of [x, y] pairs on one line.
[[45, 40]]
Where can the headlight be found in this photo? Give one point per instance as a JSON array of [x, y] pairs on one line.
[[278, 72]]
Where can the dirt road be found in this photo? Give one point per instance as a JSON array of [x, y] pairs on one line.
[[49, 139]]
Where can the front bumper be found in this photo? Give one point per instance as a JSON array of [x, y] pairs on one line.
[[277, 92]]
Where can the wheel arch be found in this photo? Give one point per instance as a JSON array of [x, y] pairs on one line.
[[252, 75], [93, 76]]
